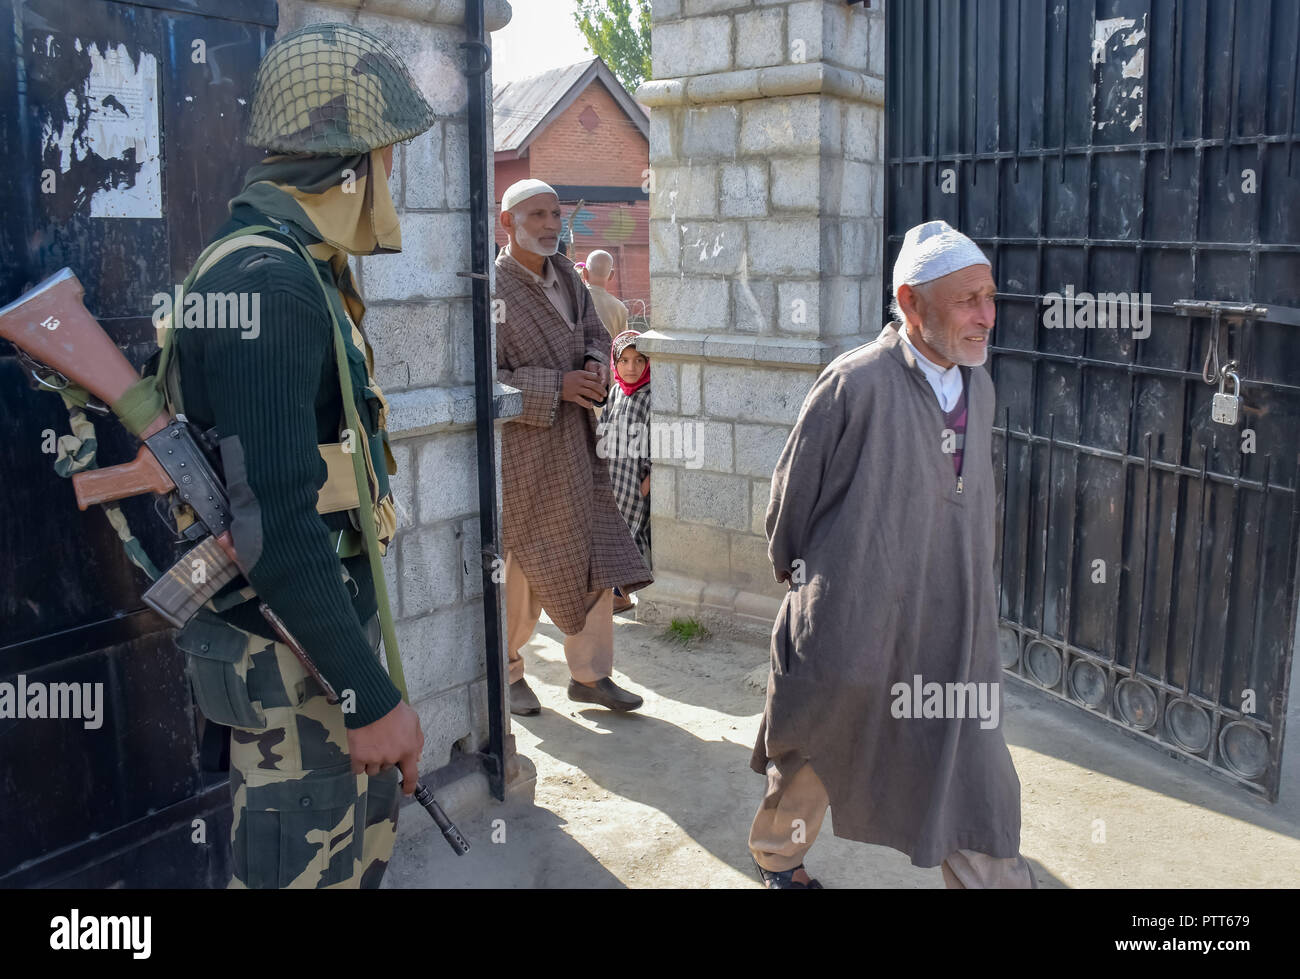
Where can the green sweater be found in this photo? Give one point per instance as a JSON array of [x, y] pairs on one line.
[[272, 398]]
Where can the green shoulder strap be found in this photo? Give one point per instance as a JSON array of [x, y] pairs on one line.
[[170, 387], [369, 533]]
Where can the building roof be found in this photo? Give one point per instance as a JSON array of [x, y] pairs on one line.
[[522, 109]]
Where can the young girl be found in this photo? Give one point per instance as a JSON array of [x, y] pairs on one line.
[[626, 419]]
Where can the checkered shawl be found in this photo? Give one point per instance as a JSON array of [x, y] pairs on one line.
[[558, 513], [626, 425]]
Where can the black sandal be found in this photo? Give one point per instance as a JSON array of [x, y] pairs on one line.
[[783, 880]]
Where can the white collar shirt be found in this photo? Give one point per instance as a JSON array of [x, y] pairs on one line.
[[945, 383]]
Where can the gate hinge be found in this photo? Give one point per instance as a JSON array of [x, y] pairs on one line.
[[485, 56]]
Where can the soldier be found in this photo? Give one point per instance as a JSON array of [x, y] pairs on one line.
[[314, 790]]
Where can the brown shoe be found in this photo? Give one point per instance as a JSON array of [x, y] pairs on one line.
[[522, 699], [606, 693], [623, 605]]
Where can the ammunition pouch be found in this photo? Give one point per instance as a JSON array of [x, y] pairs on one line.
[[340, 493], [213, 649]]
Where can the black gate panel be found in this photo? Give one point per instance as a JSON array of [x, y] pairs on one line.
[[1104, 150], [78, 804]]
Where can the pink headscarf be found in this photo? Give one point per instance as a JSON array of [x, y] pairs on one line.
[[624, 340]]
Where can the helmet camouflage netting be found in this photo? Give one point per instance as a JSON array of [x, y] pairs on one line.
[[334, 90]]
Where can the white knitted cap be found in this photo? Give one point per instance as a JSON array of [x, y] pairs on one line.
[[521, 190], [931, 251]]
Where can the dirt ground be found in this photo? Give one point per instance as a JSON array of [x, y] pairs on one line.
[[663, 797]]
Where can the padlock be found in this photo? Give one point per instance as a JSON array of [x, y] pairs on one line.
[[1223, 409]]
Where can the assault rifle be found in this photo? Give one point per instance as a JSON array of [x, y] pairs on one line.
[[62, 344]]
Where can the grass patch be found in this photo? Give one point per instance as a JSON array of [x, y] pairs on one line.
[[684, 632]]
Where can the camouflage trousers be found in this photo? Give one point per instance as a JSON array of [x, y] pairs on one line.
[[301, 818]]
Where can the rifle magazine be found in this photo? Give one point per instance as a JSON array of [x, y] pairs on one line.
[[191, 582]]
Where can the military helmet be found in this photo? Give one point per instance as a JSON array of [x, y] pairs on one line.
[[334, 90]]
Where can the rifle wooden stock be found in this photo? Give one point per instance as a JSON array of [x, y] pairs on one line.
[[50, 323], [143, 474]]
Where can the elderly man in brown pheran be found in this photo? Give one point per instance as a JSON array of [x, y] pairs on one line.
[[566, 543], [883, 694]]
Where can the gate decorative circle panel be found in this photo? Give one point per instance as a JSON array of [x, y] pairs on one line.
[[1136, 703], [1087, 683], [1189, 724]]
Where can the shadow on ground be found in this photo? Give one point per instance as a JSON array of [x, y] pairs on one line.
[[663, 797], [1043, 724], [678, 778], [686, 673], [514, 844]]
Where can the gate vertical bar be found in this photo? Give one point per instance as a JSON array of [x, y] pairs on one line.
[[484, 380], [1233, 89], [1176, 61], [1047, 524], [1198, 607]]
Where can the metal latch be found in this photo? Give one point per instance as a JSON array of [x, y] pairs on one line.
[[1217, 312]]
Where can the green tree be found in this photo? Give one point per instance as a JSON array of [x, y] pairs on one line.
[[616, 36]]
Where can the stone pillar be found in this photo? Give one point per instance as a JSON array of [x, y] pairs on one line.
[[766, 156], [419, 322]]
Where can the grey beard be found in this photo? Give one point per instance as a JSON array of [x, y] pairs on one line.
[[952, 355], [532, 244]]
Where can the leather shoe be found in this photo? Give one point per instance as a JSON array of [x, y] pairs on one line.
[[607, 693], [522, 699]]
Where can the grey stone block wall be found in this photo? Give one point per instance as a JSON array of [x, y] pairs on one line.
[[766, 153], [419, 323]]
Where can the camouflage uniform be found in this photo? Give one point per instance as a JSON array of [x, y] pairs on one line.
[[301, 818]]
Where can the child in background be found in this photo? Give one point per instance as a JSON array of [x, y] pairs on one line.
[[626, 424]]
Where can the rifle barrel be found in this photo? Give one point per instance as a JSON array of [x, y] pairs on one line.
[[453, 836]]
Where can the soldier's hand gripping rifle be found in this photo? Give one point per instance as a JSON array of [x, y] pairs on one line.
[[56, 336]]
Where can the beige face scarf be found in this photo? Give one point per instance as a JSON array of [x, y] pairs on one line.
[[342, 201]]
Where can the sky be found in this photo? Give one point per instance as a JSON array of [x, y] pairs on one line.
[[541, 35]]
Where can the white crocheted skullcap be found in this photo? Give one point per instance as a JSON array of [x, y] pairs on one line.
[[933, 250], [521, 190]]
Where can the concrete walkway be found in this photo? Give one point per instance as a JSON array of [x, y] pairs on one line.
[[664, 797]]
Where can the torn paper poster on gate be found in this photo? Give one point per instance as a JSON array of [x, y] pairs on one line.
[[108, 139]]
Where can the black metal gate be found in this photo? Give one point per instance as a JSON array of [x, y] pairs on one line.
[[1130, 167], [121, 125]]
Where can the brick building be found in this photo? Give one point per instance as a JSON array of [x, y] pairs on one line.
[[578, 129]]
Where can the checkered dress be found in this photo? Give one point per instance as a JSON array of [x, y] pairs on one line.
[[630, 414]]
